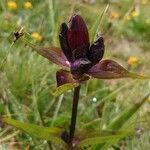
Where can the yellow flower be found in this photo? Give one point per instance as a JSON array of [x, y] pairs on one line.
[[148, 99], [144, 2], [36, 36], [148, 21], [135, 13], [133, 60], [28, 5], [127, 18], [114, 15], [12, 5]]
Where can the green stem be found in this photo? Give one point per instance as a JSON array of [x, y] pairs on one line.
[[74, 114]]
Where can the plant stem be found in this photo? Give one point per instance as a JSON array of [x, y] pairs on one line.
[[74, 114]]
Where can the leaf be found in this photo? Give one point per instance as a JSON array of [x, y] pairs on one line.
[[109, 69], [120, 120], [44, 133], [63, 88], [97, 24], [104, 139]]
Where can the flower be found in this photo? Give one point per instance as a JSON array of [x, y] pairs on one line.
[[36, 36], [147, 21], [74, 41], [114, 15], [133, 60], [28, 5], [135, 13], [12, 5], [80, 60], [144, 2], [148, 99], [127, 17]]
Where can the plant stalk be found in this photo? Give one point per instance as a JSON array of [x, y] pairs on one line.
[[74, 114]]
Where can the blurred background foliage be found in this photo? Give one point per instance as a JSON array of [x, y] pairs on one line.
[[27, 80]]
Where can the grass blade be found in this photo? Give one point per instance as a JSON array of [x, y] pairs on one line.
[[96, 25]]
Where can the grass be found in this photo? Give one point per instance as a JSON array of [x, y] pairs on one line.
[[28, 80]]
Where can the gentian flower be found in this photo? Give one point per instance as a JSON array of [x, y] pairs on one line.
[[80, 60]]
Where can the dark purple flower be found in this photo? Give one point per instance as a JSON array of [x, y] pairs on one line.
[[78, 59], [74, 41]]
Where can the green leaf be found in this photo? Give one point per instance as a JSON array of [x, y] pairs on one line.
[[96, 25], [63, 88], [105, 139], [120, 120], [44, 133]]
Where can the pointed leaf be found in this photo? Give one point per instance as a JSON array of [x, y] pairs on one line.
[[120, 120], [53, 54], [109, 69], [86, 133], [104, 139], [44, 133], [62, 89]]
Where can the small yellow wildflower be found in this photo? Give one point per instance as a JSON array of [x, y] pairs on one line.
[[12, 5], [28, 5], [114, 15], [148, 99], [135, 13], [133, 60], [148, 21], [127, 18], [36, 36], [144, 2]]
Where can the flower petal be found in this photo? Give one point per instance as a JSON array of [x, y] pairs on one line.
[[80, 52], [53, 54], [63, 77], [79, 67], [63, 41], [109, 69], [77, 33], [65, 82], [96, 51]]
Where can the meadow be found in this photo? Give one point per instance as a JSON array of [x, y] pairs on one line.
[[112, 114]]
